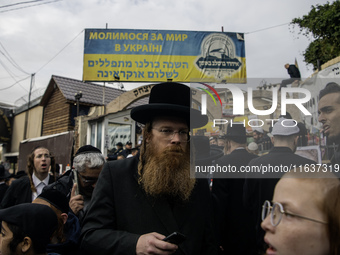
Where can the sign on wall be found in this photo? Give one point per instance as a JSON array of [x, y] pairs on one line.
[[159, 55]]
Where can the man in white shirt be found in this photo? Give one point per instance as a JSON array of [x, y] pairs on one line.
[[26, 189]]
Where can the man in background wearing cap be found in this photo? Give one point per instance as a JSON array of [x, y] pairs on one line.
[[128, 149], [116, 152], [235, 234], [258, 187], [141, 200], [329, 116], [78, 185], [26, 229]]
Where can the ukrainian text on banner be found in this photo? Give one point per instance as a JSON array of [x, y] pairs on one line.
[[159, 55]]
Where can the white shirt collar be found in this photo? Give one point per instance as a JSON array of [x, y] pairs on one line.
[[37, 181], [37, 184]]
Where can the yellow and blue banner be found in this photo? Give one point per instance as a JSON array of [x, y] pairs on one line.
[[159, 55]]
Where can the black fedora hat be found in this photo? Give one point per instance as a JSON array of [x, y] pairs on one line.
[[169, 99], [204, 153], [20, 174], [236, 130]]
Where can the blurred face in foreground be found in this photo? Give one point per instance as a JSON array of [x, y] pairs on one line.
[[5, 239], [295, 235]]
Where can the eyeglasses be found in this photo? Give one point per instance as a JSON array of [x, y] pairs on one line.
[[169, 134], [87, 180], [276, 211]]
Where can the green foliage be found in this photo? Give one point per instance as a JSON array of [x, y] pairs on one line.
[[322, 24]]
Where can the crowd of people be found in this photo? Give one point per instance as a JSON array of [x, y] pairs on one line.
[[149, 203]]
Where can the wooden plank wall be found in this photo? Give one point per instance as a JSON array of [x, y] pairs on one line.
[[56, 114]]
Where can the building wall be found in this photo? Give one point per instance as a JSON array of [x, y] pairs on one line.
[[33, 127], [57, 115]]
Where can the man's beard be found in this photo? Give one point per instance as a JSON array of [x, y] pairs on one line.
[[167, 172], [333, 139]]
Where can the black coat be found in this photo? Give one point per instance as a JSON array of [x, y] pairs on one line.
[[19, 192], [65, 184], [293, 71], [3, 189], [235, 232], [257, 190], [120, 212]]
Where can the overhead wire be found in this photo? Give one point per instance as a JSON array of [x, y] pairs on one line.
[[263, 29], [15, 83], [9, 5], [11, 60], [60, 51], [11, 74], [28, 6], [81, 33]]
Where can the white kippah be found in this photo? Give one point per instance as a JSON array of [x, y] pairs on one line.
[[285, 127], [253, 146]]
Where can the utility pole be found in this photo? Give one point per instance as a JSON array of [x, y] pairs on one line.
[[28, 106]]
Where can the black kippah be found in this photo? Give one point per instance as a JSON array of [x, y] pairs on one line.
[[35, 220], [55, 198], [87, 149]]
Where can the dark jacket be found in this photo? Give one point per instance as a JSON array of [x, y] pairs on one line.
[[235, 232], [113, 156], [293, 71], [19, 192], [3, 189], [72, 232], [65, 184], [257, 190], [120, 212]]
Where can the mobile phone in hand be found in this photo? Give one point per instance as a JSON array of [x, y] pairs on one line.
[[175, 238], [75, 180]]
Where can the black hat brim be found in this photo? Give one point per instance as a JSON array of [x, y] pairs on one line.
[[146, 113]]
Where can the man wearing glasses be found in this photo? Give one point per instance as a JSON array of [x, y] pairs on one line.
[[141, 200], [78, 184]]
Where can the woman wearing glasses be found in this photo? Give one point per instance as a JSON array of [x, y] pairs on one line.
[[304, 217]]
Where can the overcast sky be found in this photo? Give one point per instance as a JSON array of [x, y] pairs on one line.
[[34, 36]]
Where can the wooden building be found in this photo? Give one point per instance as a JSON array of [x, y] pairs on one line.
[[60, 104]]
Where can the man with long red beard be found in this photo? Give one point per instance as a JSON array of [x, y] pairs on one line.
[[140, 200], [167, 164]]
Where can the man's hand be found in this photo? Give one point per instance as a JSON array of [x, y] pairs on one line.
[[76, 201], [153, 243]]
